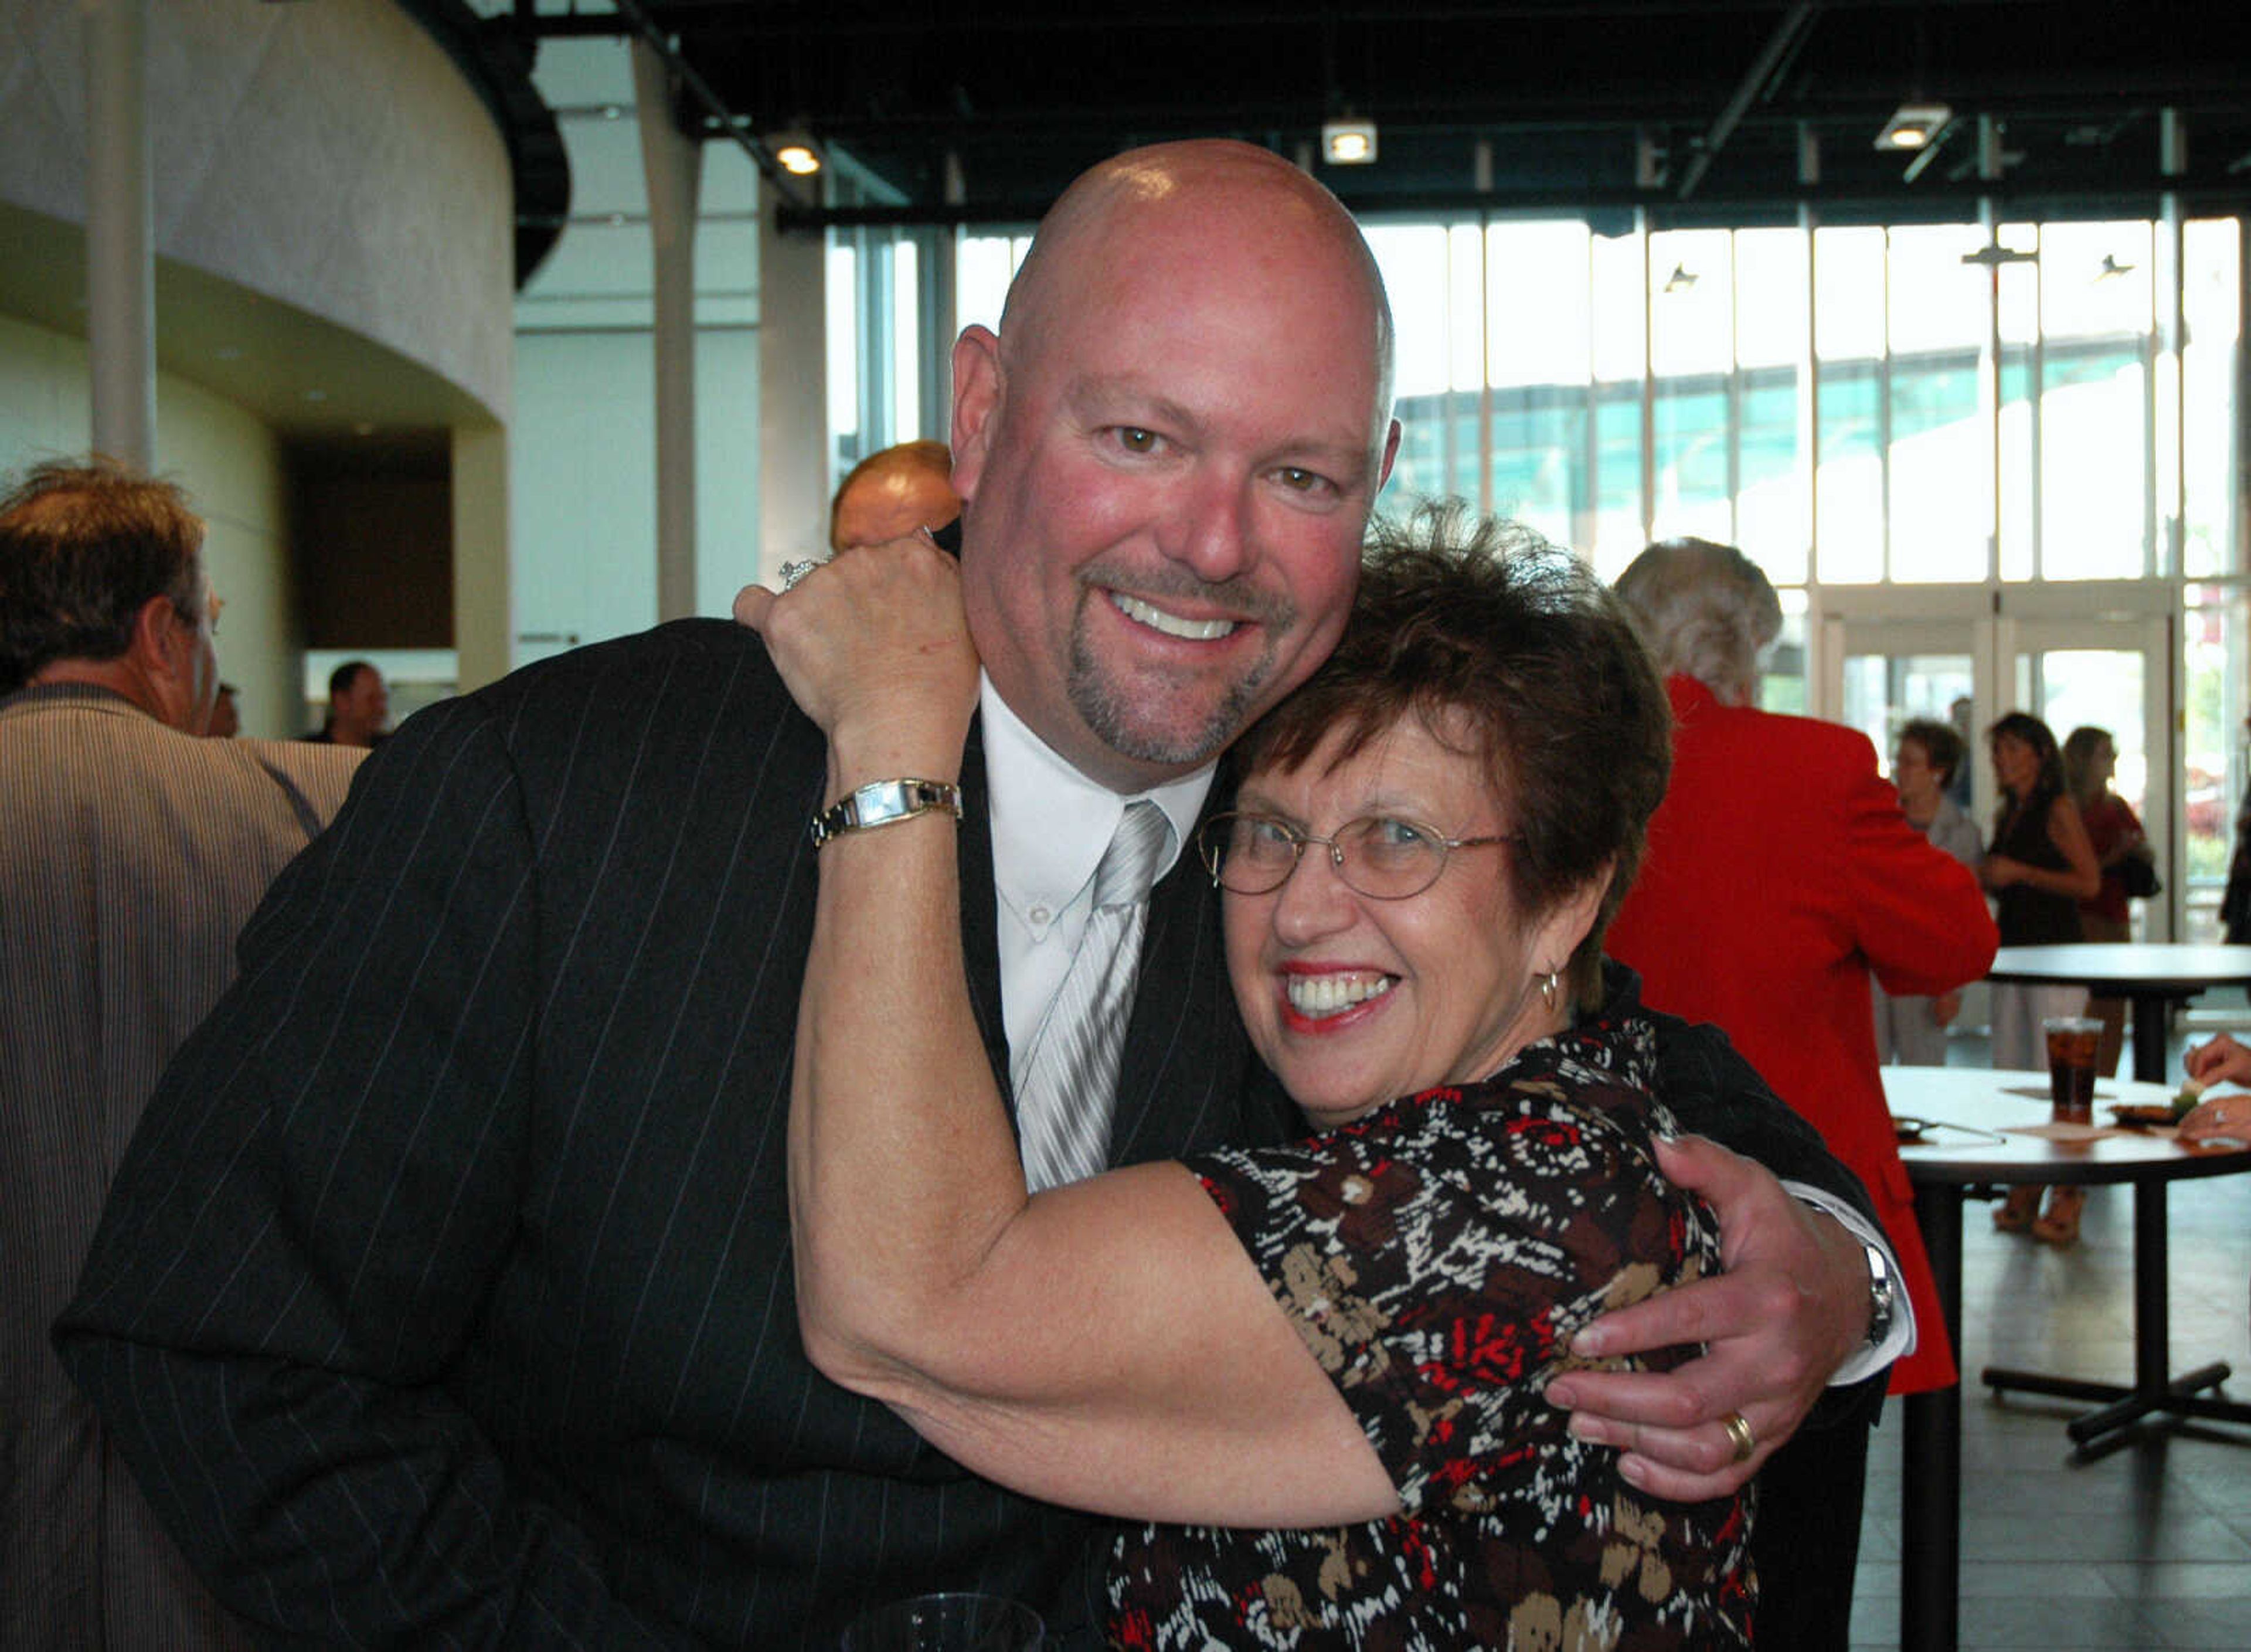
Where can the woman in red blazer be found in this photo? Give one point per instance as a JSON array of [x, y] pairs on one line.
[[1780, 874]]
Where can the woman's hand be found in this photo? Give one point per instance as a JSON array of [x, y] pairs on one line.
[[2228, 1117], [2000, 870], [2222, 1061], [875, 647]]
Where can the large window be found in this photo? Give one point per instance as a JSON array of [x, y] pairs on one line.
[[1933, 418]]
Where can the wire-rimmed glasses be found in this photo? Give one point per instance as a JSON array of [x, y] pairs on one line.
[[1380, 856]]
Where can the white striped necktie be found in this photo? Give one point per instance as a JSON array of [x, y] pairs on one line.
[[1067, 1082]]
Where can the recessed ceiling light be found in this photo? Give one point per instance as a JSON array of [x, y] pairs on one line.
[[1348, 143], [795, 152], [1913, 126]]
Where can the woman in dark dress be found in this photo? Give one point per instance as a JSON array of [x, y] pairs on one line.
[[2040, 867], [1316, 1371]]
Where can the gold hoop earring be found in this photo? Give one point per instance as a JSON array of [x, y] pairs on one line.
[[1549, 988]]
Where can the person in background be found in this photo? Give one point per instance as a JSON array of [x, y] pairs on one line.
[[131, 853], [1781, 878], [1911, 1029], [359, 705], [2090, 762], [2235, 898], [226, 717], [892, 492], [2040, 867], [1961, 712]]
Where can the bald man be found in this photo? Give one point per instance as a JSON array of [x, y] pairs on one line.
[[891, 492], [459, 1245]]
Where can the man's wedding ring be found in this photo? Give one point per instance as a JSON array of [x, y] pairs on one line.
[[792, 572], [1740, 1431]]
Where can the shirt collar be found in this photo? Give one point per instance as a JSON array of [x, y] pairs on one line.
[[1051, 823]]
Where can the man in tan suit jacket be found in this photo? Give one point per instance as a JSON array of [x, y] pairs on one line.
[[131, 854]]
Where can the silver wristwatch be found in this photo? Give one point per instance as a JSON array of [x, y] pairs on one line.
[[881, 802], [1883, 1294]]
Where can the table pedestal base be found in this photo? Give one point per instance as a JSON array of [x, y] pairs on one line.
[[2179, 1397]]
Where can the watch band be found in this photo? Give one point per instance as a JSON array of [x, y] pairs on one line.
[[882, 803]]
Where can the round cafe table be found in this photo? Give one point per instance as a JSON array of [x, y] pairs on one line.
[[2151, 974], [1985, 1129]]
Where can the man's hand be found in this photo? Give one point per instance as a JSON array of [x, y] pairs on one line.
[[1945, 1007], [2222, 1061], [1791, 1307]]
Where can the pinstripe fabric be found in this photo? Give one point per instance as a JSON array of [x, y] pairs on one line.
[[130, 855], [446, 1292]]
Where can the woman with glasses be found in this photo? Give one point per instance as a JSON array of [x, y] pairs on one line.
[[1317, 1371]]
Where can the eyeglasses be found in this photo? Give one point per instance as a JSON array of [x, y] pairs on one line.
[[213, 604], [1378, 855]]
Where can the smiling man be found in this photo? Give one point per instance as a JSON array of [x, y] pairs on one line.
[[458, 1241]]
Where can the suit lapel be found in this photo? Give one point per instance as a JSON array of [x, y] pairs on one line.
[[981, 937]]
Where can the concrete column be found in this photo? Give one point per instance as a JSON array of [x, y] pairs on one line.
[[673, 165], [484, 622], [119, 233], [793, 440], [941, 319]]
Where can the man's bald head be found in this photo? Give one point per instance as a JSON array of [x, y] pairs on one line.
[[1195, 185], [892, 492], [1168, 453]]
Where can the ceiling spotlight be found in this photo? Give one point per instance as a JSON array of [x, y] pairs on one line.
[[794, 152], [1913, 126], [1348, 143]]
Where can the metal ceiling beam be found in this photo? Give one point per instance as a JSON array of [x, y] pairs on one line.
[[1756, 86], [723, 120]]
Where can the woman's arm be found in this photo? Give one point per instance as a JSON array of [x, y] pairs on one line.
[[1109, 1345], [2067, 829]]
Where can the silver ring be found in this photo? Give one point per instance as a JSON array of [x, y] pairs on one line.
[[1739, 1430], [792, 572]]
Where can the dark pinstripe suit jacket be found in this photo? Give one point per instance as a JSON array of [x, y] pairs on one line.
[[447, 1286], [130, 855], [445, 1297]]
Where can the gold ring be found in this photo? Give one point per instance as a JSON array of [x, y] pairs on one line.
[[1739, 1430]]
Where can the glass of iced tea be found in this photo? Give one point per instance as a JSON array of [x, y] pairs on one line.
[[2072, 1041]]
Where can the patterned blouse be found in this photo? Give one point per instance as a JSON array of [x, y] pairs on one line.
[[1436, 1256]]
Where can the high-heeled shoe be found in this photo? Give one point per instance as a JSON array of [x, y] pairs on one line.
[[2015, 1213], [2059, 1224]]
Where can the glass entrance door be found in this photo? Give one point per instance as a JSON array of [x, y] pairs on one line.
[[2111, 669]]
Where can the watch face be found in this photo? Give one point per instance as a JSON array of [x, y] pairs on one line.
[[1882, 1302]]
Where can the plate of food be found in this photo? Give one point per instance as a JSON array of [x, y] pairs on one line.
[[2143, 1113]]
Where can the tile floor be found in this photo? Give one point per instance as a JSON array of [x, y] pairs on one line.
[[2146, 1546]]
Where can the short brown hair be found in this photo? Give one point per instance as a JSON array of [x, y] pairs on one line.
[[83, 549], [1485, 620], [1941, 745]]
